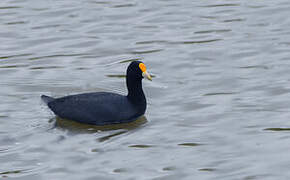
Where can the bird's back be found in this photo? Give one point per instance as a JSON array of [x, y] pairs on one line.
[[100, 108]]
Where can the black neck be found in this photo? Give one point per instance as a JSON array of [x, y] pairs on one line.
[[135, 91]]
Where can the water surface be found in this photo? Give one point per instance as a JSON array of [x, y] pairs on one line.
[[218, 106]]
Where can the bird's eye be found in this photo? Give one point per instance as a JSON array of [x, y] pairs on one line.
[[142, 67]]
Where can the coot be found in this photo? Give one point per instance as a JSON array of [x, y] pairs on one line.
[[105, 108]]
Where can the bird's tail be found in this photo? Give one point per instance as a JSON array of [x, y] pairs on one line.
[[46, 99]]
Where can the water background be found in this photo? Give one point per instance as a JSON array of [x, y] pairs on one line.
[[218, 106]]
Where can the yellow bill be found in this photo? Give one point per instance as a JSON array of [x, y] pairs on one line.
[[145, 74]]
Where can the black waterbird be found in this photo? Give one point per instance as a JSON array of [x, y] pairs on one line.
[[105, 108]]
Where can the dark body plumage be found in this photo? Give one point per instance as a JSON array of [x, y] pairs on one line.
[[103, 108]]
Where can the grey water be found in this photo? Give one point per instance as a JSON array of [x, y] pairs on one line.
[[218, 105]]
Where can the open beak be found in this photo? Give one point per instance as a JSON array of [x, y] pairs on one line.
[[146, 75]]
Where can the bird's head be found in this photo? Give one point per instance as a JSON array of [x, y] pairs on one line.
[[137, 69]]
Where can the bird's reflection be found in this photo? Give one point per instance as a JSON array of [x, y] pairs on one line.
[[88, 128]]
